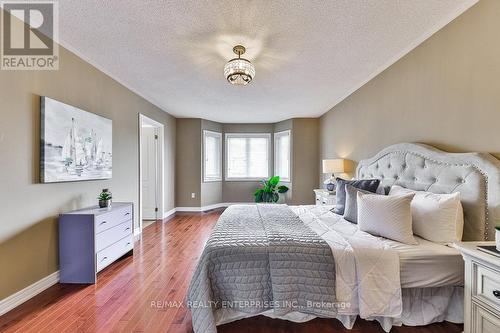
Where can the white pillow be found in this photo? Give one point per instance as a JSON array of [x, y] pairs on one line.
[[386, 216], [436, 217]]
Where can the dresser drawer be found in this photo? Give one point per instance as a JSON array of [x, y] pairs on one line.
[[484, 321], [112, 235], [113, 218], [487, 285], [113, 252]]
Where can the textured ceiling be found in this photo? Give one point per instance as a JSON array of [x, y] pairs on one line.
[[309, 55]]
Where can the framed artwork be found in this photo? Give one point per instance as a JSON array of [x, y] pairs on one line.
[[76, 145]]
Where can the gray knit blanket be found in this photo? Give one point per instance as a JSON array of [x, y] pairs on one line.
[[260, 258]]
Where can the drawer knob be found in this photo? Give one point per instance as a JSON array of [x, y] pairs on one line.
[[128, 228], [105, 258], [103, 222], [127, 244], [496, 293], [127, 213]]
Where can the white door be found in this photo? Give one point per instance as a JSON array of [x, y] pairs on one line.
[[149, 173]]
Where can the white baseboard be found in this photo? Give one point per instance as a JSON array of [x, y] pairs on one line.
[[27, 293], [168, 213], [210, 207]]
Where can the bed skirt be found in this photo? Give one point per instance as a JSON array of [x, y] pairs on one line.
[[421, 306]]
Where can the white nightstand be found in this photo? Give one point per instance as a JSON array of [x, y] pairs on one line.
[[482, 289], [325, 197]]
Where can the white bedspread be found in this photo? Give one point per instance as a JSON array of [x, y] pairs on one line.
[[367, 268], [371, 272]]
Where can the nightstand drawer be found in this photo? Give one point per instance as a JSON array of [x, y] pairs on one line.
[[484, 321], [487, 286]]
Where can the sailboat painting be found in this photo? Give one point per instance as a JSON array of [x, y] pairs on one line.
[[75, 144]]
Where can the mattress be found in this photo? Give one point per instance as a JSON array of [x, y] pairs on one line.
[[429, 264], [425, 265]]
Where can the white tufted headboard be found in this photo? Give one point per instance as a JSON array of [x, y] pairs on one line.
[[421, 167]]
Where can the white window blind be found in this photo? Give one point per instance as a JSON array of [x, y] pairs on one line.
[[282, 155], [247, 156], [212, 156]]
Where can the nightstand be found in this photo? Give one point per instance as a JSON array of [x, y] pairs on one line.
[[482, 289], [325, 197]]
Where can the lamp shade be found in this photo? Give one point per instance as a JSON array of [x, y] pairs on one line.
[[338, 165]]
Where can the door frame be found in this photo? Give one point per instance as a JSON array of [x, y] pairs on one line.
[[160, 185]]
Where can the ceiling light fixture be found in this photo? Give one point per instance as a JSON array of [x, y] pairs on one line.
[[239, 71]]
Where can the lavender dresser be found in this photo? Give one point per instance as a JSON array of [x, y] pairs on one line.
[[91, 239]]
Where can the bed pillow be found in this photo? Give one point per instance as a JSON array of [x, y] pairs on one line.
[[436, 217], [370, 185], [351, 203], [386, 216]]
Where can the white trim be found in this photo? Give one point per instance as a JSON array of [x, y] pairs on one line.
[[278, 134], [27, 293], [210, 207], [169, 213], [218, 135], [268, 136], [160, 130]]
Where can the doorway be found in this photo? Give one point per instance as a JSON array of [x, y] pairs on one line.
[[151, 134]]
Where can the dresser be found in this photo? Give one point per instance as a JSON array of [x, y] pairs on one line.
[[482, 289], [91, 239], [325, 197]]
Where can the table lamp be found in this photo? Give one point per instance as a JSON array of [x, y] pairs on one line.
[[333, 166]]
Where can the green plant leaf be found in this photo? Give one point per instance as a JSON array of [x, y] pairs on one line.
[[282, 189], [273, 181], [258, 196]]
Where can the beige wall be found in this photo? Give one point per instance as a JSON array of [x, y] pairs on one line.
[[28, 228], [188, 162], [305, 160], [189, 177], [446, 93]]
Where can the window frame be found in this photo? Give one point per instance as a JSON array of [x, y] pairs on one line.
[[227, 136], [277, 134], [219, 177]]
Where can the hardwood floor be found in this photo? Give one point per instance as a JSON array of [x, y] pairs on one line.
[[132, 294]]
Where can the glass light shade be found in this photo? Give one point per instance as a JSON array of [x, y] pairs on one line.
[[239, 71]]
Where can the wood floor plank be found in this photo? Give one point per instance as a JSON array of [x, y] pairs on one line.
[[131, 295]]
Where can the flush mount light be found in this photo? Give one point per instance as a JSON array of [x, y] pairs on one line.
[[239, 71]]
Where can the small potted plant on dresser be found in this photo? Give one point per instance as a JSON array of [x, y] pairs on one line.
[[105, 198]]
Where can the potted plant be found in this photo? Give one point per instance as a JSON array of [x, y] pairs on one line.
[[105, 198], [269, 190]]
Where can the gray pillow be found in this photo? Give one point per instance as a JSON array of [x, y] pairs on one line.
[[351, 203], [363, 184]]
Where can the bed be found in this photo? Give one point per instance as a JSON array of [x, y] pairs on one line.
[[302, 262]]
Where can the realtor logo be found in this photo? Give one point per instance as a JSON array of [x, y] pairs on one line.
[[29, 35]]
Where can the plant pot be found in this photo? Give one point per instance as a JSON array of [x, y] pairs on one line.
[[104, 203], [497, 238]]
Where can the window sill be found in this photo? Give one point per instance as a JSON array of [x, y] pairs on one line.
[[215, 180], [245, 179]]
